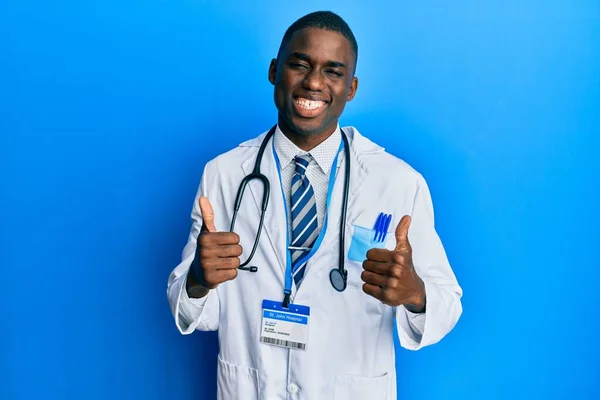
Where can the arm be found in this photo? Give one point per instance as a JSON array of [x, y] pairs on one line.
[[442, 292], [190, 313], [209, 259]]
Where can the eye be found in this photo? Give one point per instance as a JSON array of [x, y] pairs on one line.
[[337, 74], [296, 65]]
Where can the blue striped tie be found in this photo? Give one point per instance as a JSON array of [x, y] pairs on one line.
[[304, 217]]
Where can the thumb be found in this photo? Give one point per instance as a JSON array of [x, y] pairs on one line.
[[208, 215], [402, 234]]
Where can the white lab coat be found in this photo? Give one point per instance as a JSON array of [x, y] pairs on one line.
[[350, 353]]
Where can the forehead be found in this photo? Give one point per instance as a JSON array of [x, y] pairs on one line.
[[321, 45]]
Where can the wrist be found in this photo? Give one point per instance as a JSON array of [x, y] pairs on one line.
[[196, 292], [192, 285], [419, 301]]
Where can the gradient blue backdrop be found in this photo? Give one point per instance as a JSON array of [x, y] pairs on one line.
[[109, 109]]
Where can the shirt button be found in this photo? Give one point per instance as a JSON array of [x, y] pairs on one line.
[[292, 389]]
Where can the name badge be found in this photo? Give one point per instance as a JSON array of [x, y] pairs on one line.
[[285, 327]]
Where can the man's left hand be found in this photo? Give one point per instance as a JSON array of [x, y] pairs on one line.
[[390, 275]]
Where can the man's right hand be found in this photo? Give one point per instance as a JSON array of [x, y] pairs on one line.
[[217, 255]]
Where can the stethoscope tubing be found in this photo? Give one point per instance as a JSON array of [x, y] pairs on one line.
[[338, 276]]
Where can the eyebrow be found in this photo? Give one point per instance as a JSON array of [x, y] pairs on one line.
[[306, 57]]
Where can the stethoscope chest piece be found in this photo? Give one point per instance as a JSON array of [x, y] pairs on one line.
[[338, 280]]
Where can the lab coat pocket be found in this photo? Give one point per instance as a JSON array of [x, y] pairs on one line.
[[363, 240], [363, 237], [361, 388], [234, 381]]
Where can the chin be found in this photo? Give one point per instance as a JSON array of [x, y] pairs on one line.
[[306, 127], [308, 130]]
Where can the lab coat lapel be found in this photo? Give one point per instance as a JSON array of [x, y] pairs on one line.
[[275, 227], [360, 148]]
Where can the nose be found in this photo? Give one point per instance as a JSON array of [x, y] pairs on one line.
[[314, 81]]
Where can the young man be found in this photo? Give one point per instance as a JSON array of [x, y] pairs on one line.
[[312, 315]]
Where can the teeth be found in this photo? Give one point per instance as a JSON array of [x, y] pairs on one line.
[[309, 104]]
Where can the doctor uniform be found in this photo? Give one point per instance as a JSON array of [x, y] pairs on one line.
[[350, 349]]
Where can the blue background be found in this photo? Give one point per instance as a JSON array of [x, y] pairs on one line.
[[109, 110]]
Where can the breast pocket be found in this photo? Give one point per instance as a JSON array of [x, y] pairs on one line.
[[362, 240], [236, 382], [364, 236]]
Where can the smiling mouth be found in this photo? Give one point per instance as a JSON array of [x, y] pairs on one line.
[[309, 108]]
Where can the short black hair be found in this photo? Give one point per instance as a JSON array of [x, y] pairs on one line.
[[322, 20]]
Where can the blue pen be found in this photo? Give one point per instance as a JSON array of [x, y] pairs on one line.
[[382, 227], [377, 226]]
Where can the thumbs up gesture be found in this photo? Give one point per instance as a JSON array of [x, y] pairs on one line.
[[390, 275], [217, 255]]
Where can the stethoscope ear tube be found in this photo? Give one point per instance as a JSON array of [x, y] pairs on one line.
[[339, 277], [256, 174]]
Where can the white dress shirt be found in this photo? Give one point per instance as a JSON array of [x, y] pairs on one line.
[[317, 172]]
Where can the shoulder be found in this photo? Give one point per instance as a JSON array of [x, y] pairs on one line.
[[223, 163], [376, 160]]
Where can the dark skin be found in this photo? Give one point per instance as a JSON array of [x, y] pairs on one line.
[[316, 66], [217, 255], [390, 275]]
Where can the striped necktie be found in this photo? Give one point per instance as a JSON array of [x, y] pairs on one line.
[[304, 218]]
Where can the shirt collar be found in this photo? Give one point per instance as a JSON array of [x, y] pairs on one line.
[[323, 154]]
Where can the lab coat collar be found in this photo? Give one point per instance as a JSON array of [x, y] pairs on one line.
[[359, 143], [322, 154]]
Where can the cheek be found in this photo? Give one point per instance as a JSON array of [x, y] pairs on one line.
[[280, 93], [339, 102], [340, 92], [288, 81]]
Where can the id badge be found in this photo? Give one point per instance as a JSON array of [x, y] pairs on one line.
[[285, 327]]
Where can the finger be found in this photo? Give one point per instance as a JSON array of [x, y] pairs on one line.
[[399, 258], [402, 234], [225, 238], [223, 251], [219, 276], [212, 239], [376, 267], [396, 271], [381, 255], [373, 290], [374, 279], [215, 263], [208, 215]]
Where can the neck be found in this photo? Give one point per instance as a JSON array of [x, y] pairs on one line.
[[306, 142]]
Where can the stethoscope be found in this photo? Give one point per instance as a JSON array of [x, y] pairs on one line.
[[338, 276]]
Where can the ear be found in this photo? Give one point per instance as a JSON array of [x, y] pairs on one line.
[[353, 89], [273, 71]]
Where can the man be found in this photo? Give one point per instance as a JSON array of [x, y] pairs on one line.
[[293, 323]]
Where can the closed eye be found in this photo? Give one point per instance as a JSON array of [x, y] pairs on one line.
[[296, 65]]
